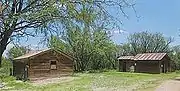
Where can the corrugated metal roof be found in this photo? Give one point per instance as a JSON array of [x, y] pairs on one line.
[[30, 54], [150, 56], [126, 57]]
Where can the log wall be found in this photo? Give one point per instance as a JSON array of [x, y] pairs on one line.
[[40, 66]]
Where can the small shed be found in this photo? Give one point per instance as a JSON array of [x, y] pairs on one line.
[[148, 63], [43, 64], [125, 63]]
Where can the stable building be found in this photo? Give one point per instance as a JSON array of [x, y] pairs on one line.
[[43, 64], [145, 63]]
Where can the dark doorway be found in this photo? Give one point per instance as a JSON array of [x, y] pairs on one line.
[[124, 66], [163, 67]]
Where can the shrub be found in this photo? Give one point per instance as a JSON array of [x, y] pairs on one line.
[[6, 65]]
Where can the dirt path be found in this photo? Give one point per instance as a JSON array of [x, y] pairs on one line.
[[170, 85]]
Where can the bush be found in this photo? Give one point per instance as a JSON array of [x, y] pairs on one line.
[[177, 71], [6, 65], [5, 78]]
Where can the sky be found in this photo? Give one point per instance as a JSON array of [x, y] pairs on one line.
[[154, 16]]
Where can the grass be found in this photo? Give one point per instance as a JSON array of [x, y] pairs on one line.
[[105, 81]]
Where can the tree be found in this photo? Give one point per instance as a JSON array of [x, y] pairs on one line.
[[16, 16], [125, 49], [175, 57], [17, 51], [58, 43], [92, 51], [145, 42], [22, 18], [7, 65]]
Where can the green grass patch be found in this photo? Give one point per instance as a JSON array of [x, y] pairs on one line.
[[104, 81], [89, 81]]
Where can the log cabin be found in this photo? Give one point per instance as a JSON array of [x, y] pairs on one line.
[[46, 63]]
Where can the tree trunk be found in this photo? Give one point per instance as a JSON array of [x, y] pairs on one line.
[[3, 44], [2, 49], [0, 60]]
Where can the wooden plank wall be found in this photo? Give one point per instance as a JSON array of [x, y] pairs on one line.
[[147, 67], [40, 66]]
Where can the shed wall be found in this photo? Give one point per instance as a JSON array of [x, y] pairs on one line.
[[147, 67], [166, 65]]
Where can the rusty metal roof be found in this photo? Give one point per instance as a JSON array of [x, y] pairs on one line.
[[150, 56], [126, 57]]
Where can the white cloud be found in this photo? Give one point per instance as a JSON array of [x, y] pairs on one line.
[[124, 31], [116, 31]]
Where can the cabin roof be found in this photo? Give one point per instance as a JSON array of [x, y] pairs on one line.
[[150, 56], [34, 53], [126, 58]]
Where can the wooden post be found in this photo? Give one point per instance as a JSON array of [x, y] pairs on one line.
[[25, 73]]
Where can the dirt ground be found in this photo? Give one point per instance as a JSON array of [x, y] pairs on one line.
[[170, 85], [52, 80]]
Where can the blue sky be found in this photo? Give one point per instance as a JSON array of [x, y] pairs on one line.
[[155, 16]]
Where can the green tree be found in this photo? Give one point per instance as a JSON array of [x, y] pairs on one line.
[[6, 66], [17, 51], [175, 57], [16, 16], [125, 49], [22, 18], [58, 43], [145, 42], [92, 51]]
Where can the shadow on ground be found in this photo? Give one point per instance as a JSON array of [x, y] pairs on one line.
[[177, 79]]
